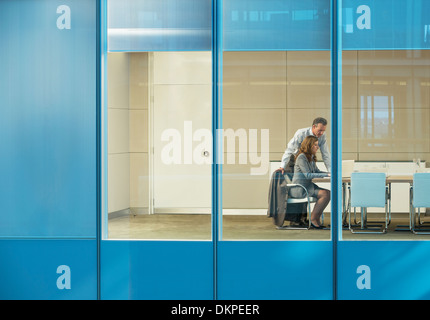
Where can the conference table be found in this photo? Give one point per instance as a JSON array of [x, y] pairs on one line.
[[346, 182]]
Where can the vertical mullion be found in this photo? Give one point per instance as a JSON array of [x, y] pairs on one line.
[[336, 129], [99, 80], [216, 124]]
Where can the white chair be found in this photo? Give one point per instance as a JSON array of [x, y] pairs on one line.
[[307, 200], [419, 198], [368, 189]]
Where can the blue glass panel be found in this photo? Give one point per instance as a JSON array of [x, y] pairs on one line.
[[278, 270], [276, 25], [386, 24], [154, 25], [48, 119], [48, 269], [383, 270], [157, 270]]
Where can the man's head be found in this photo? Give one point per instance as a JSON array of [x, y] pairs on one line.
[[318, 126]]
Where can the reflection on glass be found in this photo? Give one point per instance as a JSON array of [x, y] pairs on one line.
[[262, 25], [276, 80], [154, 25], [386, 125]]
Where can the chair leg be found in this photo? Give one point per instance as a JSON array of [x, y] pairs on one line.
[[348, 213], [345, 206], [417, 229], [387, 219], [291, 228], [412, 218], [419, 219], [409, 226], [365, 228], [299, 228]]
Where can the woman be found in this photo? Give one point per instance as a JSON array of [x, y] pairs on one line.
[[305, 170]]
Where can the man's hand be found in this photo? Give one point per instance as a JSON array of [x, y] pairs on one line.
[[281, 169]]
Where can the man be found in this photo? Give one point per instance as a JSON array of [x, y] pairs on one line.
[[317, 129]]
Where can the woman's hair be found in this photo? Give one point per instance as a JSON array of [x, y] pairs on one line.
[[306, 148]]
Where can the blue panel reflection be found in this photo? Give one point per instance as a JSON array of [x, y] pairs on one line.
[[395, 270], [153, 25], [386, 24], [276, 25], [157, 270], [265, 270], [32, 269]]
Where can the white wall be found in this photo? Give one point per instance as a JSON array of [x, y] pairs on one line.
[[118, 132], [127, 131]]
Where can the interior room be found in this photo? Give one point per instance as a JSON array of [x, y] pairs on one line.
[[162, 101]]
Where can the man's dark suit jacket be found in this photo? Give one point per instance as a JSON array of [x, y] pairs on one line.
[[278, 196]]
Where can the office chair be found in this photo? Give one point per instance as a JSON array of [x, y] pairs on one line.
[[368, 189], [419, 198], [307, 200]]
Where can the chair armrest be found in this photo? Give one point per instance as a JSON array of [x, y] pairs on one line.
[[299, 185]]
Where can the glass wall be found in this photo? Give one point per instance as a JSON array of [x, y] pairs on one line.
[[274, 64], [275, 82], [385, 102], [159, 110], [159, 100]]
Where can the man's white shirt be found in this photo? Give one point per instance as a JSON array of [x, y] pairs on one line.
[[296, 141]]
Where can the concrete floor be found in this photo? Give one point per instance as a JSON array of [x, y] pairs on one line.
[[234, 227]]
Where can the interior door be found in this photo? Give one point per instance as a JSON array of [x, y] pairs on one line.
[[181, 111]]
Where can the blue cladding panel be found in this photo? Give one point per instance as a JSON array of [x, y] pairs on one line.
[[398, 270], [48, 120], [29, 269], [278, 270], [154, 25], [157, 270], [276, 25], [305, 25], [386, 24]]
